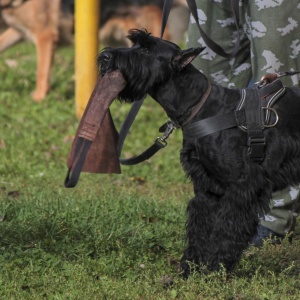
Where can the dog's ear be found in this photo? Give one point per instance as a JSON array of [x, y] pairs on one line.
[[185, 57]]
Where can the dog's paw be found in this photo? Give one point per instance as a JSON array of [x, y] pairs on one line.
[[166, 281], [185, 270], [38, 96]]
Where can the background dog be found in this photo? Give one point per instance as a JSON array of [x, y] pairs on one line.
[[46, 23], [118, 17], [39, 21], [233, 178], [114, 31]]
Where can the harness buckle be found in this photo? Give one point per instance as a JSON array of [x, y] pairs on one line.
[[256, 141], [256, 148]]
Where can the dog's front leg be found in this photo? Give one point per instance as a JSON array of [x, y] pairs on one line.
[[45, 46], [9, 38], [201, 213]]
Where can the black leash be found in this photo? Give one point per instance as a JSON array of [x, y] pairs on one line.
[[209, 42], [126, 126], [160, 143], [165, 15]]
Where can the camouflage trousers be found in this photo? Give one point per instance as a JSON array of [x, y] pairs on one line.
[[270, 42], [283, 210]]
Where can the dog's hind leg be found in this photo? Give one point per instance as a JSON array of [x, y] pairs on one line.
[[9, 38], [220, 228], [45, 46], [236, 223]]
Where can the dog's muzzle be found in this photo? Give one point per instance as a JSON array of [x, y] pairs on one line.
[[105, 61]]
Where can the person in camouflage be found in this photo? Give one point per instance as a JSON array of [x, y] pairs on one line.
[[269, 42]]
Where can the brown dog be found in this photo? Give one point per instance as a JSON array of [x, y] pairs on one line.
[[44, 22], [115, 30], [38, 21]]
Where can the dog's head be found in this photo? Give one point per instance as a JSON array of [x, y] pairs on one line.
[[149, 62]]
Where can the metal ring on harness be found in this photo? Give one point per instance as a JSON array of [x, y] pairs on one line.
[[244, 128], [276, 117]]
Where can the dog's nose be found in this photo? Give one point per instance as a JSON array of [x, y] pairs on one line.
[[106, 56]]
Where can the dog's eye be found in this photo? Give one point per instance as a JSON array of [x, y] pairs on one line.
[[144, 50]]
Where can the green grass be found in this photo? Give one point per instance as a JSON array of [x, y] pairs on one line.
[[113, 236]]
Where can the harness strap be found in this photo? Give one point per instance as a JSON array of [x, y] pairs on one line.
[[249, 116], [210, 125], [254, 120], [269, 89]]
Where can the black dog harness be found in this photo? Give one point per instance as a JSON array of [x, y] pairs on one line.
[[253, 115]]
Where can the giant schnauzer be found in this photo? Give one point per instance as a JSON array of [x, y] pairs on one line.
[[238, 148]]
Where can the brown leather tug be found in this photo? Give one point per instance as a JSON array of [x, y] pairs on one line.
[[94, 149]]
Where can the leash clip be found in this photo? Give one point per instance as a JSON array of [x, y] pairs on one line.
[[170, 127]]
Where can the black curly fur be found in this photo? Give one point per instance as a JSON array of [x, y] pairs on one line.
[[231, 191]]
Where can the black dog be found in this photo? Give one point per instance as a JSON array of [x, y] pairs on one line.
[[234, 168]]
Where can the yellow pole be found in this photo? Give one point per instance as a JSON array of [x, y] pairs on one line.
[[86, 49]]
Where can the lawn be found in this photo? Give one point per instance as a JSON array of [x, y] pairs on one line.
[[113, 236]]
